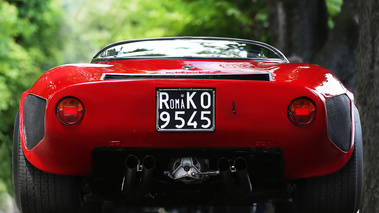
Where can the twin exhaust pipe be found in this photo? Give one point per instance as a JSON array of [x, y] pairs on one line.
[[234, 176], [138, 176]]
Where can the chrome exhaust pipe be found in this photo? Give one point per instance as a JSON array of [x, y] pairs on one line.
[[129, 181], [148, 166], [224, 167], [243, 178], [138, 177], [239, 184]]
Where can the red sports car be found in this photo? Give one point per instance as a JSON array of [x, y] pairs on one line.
[[188, 120]]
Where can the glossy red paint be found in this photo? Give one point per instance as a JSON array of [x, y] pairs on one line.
[[124, 111]]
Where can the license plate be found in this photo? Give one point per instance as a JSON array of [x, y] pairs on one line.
[[185, 109]]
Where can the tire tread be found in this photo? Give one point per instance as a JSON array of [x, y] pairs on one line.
[[39, 192]]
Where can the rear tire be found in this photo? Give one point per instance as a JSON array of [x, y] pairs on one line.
[[339, 192], [38, 191]]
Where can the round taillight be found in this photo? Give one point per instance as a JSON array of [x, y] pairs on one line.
[[70, 111], [301, 111]]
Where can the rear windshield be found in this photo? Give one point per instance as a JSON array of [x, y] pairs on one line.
[[189, 48]]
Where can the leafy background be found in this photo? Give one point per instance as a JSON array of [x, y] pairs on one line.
[[36, 35]]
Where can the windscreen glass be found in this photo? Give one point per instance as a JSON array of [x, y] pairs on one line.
[[194, 48]]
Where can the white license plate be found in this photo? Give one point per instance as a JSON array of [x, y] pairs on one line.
[[185, 109]]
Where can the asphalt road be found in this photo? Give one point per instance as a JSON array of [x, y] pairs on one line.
[[113, 208], [9, 206]]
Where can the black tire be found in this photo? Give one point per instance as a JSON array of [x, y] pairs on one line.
[[38, 191], [339, 192]]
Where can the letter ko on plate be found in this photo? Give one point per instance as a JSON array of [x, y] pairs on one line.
[[185, 109]]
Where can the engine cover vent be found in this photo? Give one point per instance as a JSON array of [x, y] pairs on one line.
[[246, 77]]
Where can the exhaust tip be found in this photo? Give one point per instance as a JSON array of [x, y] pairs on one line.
[[240, 164], [148, 162], [223, 164], [131, 162]]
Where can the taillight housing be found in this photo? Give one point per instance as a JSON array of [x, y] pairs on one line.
[[301, 111], [70, 111]]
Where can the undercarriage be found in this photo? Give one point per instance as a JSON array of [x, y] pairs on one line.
[[202, 176]]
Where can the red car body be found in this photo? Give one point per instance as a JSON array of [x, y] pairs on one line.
[[119, 98], [122, 113]]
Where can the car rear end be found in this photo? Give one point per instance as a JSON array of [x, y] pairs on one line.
[[147, 127], [192, 131]]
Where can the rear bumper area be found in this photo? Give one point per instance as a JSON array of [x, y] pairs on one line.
[[250, 175]]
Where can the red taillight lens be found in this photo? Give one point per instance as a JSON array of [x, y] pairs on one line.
[[301, 111], [70, 111]]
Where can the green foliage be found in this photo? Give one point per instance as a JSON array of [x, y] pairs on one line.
[[225, 18], [39, 22], [334, 8], [28, 44], [3, 196], [96, 23]]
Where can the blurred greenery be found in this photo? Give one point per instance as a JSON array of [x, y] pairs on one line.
[[94, 24], [334, 8], [36, 35], [4, 203], [29, 42]]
